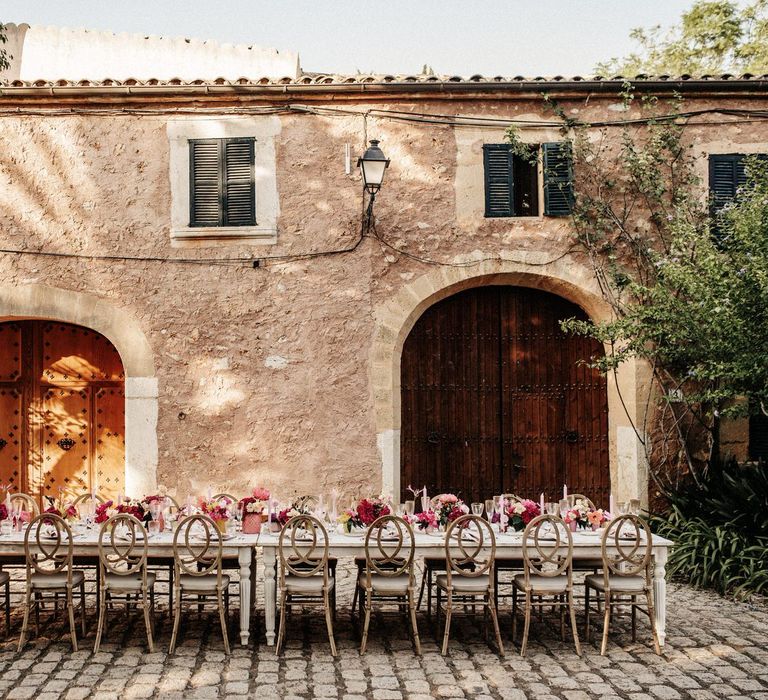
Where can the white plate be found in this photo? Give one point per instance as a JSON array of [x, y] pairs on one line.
[[351, 534]]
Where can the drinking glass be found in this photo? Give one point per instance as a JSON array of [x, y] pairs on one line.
[[634, 506], [425, 504], [564, 507], [551, 508], [477, 509], [410, 508], [489, 509], [623, 507], [153, 527]]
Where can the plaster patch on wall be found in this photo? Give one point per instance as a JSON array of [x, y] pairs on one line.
[[632, 466], [276, 362], [388, 442]]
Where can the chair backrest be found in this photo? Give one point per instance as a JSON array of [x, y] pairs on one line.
[[547, 548], [88, 497], [511, 498], [389, 547], [51, 550], [303, 547], [173, 504], [197, 547], [574, 498], [229, 497], [26, 502], [123, 545], [470, 547], [307, 503], [627, 547]]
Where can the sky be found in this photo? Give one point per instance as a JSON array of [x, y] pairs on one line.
[[456, 37]]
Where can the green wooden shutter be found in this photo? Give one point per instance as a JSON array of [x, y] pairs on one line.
[[205, 204], [221, 182], [499, 185], [758, 436], [558, 178], [239, 199], [727, 172]]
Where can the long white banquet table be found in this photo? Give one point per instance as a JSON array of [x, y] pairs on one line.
[[585, 546], [240, 548]]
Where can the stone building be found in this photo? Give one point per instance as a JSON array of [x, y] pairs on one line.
[[188, 296]]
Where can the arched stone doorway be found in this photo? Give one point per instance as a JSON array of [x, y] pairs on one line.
[[496, 398], [62, 410]]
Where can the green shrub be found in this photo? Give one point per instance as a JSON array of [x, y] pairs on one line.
[[720, 530]]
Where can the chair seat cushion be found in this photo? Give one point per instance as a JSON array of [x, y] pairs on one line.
[[618, 584], [547, 584], [116, 582], [386, 585], [306, 585], [465, 584], [46, 582], [201, 584]]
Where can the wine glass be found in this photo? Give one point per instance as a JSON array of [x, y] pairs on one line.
[[409, 507], [564, 507], [477, 509], [623, 507], [489, 509], [634, 506], [551, 508]]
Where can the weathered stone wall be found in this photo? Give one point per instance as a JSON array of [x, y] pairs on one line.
[[266, 375]]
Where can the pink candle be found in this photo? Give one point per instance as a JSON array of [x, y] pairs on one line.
[[541, 503], [610, 507], [565, 491]]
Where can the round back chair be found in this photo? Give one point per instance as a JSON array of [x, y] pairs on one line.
[[303, 547], [305, 504], [511, 498], [574, 498], [470, 547], [87, 498], [197, 547], [25, 502], [232, 500], [386, 550], [547, 548], [52, 546], [123, 546], [627, 548]]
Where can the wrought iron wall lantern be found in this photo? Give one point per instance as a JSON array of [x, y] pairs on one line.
[[372, 165], [66, 443]]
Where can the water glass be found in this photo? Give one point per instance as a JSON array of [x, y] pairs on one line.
[[564, 507], [154, 527], [551, 508], [634, 506], [410, 508], [477, 509], [623, 507], [489, 509]]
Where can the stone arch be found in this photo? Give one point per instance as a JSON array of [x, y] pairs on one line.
[[571, 280], [37, 301]]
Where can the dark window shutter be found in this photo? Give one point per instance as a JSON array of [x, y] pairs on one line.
[[558, 178], [204, 183], [758, 436], [221, 182], [727, 172], [239, 200], [499, 186]]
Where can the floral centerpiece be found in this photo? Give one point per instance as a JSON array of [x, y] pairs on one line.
[[520, 513], [253, 507], [218, 510], [64, 510], [350, 520], [426, 520], [447, 508], [581, 516], [598, 517], [370, 509], [104, 511]]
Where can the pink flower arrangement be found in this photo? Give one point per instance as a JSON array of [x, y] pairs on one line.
[[104, 511], [63, 510], [448, 507], [520, 513], [426, 519], [598, 517], [255, 503], [216, 509]]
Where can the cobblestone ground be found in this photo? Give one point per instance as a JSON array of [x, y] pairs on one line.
[[715, 649]]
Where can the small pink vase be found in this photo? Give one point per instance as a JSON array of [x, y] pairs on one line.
[[252, 523], [572, 525], [595, 527]]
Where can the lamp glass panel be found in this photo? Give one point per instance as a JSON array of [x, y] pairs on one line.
[[373, 171]]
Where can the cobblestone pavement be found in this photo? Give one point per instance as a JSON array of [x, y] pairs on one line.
[[715, 649]]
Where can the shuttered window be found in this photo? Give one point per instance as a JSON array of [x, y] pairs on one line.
[[558, 178], [511, 182], [221, 182], [758, 436], [727, 172]]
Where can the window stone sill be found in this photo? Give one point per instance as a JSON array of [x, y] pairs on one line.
[[223, 235]]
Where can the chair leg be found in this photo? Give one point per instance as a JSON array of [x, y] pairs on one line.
[[38, 597], [354, 599], [171, 588], [423, 583], [429, 594], [586, 611], [329, 621], [495, 619], [652, 619], [561, 599], [438, 610], [223, 619], [7, 608], [367, 622], [82, 607], [281, 625], [147, 620], [176, 621], [514, 612], [606, 623], [574, 629], [25, 624], [527, 626], [71, 613], [447, 632], [633, 605], [100, 624], [414, 625]]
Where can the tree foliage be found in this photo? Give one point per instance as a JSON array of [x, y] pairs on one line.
[[4, 57], [714, 36]]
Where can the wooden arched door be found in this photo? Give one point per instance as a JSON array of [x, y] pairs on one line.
[[62, 410], [497, 398]]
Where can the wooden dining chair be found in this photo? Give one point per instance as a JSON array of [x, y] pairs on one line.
[[470, 554], [389, 575], [505, 562], [123, 567], [304, 576], [574, 498], [547, 578], [86, 497], [228, 496], [27, 503], [198, 574], [49, 570], [627, 550]]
